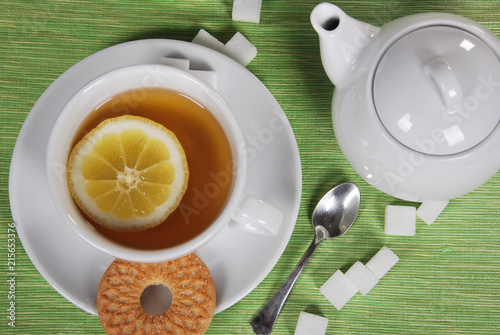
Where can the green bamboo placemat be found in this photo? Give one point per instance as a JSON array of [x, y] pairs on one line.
[[447, 279]]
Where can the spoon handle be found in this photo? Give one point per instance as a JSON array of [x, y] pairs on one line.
[[263, 322]]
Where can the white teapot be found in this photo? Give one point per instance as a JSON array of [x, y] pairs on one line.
[[416, 105]]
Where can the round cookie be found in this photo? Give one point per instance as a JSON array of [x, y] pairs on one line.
[[193, 297]]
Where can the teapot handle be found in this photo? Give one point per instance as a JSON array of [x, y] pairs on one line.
[[442, 74]]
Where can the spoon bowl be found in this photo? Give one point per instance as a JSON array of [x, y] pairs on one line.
[[333, 216], [336, 211]]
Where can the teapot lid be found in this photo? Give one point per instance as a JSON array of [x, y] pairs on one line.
[[437, 90]]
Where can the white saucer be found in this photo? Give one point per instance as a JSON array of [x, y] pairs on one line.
[[238, 260]]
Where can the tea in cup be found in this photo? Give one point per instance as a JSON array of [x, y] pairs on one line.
[[211, 141]]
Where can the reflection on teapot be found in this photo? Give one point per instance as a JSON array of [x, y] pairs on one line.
[[415, 106]]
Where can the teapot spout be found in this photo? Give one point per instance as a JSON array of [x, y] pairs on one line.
[[342, 39]]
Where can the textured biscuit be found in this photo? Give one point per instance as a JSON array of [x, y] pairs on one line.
[[193, 297]]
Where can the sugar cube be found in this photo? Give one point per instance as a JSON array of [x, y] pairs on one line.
[[240, 49], [362, 277], [400, 220], [210, 77], [311, 324], [246, 10], [429, 210], [338, 289], [382, 262], [180, 63], [204, 38]]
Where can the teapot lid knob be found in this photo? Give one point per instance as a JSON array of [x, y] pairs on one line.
[[437, 90]]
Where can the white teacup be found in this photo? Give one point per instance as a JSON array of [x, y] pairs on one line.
[[242, 210]]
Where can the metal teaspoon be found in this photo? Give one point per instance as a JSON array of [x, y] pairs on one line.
[[333, 216]]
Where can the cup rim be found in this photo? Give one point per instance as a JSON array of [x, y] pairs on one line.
[[87, 232]]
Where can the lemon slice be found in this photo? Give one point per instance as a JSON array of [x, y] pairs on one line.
[[128, 174]]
